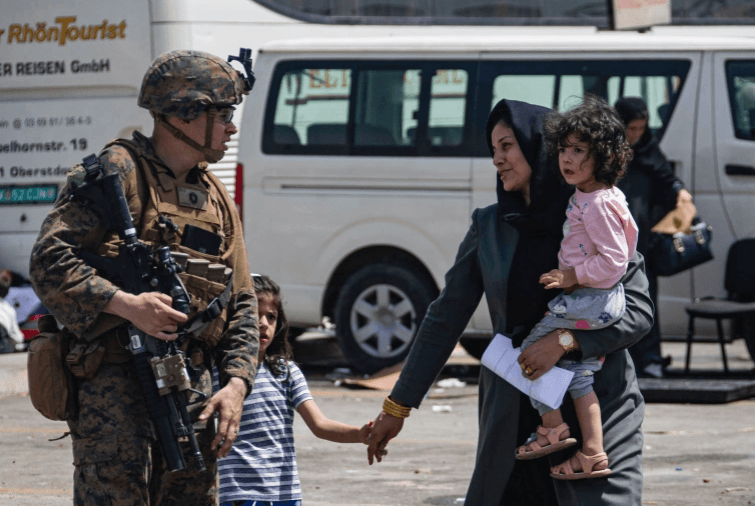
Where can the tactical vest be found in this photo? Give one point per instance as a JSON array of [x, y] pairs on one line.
[[201, 205]]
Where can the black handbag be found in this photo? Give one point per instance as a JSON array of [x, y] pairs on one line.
[[670, 254]]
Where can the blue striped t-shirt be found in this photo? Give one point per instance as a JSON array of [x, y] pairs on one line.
[[261, 465]]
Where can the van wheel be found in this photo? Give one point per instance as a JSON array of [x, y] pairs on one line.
[[377, 314]]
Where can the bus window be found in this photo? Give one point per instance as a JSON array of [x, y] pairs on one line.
[[387, 102], [312, 107], [448, 103], [534, 89], [740, 77]]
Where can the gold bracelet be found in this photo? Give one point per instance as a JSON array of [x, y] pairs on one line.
[[395, 412], [390, 407]]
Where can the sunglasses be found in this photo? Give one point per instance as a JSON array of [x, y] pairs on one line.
[[224, 115]]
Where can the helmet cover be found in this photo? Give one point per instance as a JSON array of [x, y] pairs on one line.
[[185, 83]]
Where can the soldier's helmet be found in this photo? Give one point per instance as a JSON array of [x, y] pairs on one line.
[[185, 83]]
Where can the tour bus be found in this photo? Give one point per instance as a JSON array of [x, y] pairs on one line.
[[364, 159]]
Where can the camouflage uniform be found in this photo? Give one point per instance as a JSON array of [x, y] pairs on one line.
[[117, 457]]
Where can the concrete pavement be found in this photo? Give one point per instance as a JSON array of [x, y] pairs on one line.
[[694, 454]]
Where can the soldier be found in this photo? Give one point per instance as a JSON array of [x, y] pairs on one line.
[[169, 190]]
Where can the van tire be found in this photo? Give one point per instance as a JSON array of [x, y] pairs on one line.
[[374, 333]]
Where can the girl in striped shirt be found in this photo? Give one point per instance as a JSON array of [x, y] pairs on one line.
[[260, 469]]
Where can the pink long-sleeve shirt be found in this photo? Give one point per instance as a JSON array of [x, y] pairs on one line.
[[600, 236]]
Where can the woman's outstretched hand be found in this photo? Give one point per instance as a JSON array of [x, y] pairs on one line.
[[542, 355], [385, 428]]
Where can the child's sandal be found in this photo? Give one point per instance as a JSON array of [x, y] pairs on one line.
[[553, 437], [564, 471]]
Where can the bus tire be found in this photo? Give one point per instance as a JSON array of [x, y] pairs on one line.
[[377, 314]]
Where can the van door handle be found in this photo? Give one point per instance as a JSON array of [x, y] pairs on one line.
[[739, 170]]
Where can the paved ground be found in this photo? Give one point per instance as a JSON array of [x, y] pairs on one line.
[[694, 454]]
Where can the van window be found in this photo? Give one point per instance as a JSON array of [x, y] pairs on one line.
[[740, 76], [561, 84], [371, 108], [533, 89], [386, 107], [312, 107], [448, 105], [656, 91], [570, 92]]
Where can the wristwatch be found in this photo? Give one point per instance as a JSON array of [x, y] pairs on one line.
[[565, 339]]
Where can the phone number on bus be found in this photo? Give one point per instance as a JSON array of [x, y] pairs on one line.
[[62, 121]]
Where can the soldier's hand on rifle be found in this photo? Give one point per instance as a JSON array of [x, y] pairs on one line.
[[229, 402], [150, 312]]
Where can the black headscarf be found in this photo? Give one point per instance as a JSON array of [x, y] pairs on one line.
[[540, 224]]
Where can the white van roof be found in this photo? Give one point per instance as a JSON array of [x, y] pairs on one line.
[[534, 41]]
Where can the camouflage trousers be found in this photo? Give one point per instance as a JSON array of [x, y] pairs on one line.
[[117, 458]]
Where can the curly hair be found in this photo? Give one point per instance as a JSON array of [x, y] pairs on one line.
[[596, 123], [279, 351]]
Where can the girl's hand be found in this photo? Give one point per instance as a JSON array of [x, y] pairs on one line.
[[364, 432], [559, 278]]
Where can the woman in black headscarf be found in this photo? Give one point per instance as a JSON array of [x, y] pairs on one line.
[[508, 246], [652, 190]]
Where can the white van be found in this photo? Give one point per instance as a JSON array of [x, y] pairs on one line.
[[364, 159]]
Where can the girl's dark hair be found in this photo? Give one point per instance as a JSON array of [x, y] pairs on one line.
[[596, 123], [279, 351]]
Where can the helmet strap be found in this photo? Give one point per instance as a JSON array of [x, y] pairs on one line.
[[208, 151], [210, 155]]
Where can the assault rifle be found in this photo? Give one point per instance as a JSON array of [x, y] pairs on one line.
[[160, 365]]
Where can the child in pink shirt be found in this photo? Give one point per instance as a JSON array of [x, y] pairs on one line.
[[600, 236]]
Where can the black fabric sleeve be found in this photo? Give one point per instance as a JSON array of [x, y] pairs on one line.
[[636, 322], [446, 319], [664, 186]]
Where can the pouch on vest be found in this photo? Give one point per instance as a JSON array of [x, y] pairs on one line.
[[52, 388], [203, 290]]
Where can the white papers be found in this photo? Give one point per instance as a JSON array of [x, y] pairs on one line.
[[501, 358]]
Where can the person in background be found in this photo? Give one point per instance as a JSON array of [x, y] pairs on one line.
[[260, 469], [652, 190], [11, 338]]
